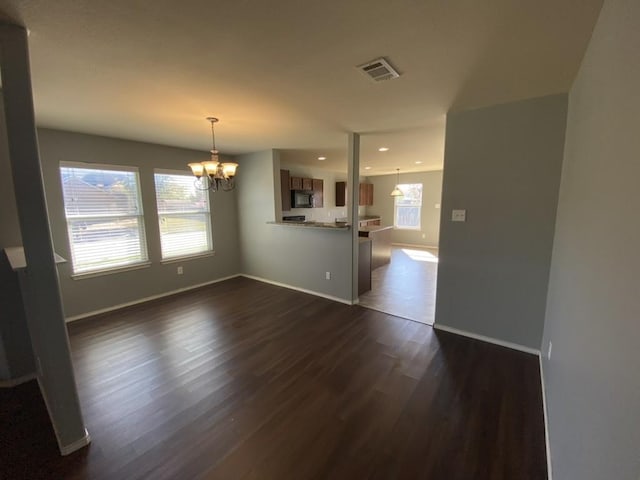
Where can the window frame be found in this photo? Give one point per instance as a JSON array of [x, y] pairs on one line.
[[206, 213], [144, 249], [396, 206]]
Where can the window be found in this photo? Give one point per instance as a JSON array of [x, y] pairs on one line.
[[183, 215], [408, 207], [104, 216]]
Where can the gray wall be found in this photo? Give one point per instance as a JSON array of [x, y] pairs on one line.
[[502, 164], [383, 203], [16, 356], [10, 232], [294, 256], [593, 311], [85, 295]]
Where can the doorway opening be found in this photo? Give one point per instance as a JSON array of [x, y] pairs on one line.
[[406, 286], [399, 235]]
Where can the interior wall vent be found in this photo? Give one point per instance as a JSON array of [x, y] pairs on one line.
[[378, 70]]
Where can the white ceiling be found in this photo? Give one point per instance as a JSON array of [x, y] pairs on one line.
[[281, 74]]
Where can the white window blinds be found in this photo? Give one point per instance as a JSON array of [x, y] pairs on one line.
[[104, 217], [408, 207], [183, 215]]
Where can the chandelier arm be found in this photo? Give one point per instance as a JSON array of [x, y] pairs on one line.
[[200, 183], [228, 185], [213, 135]]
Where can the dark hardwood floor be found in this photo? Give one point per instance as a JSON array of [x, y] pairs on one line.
[[244, 380]]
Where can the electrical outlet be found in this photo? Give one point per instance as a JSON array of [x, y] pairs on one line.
[[437, 205], [180, 270], [327, 275], [424, 235], [458, 215], [549, 351]]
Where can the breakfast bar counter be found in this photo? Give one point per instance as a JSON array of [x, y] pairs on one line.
[[311, 224], [380, 243]]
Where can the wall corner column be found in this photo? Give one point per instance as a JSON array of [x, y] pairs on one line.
[[353, 189], [45, 316]]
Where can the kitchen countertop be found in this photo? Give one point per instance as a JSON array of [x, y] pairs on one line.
[[374, 228], [327, 225]]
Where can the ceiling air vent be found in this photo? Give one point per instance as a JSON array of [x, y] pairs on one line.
[[378, 70]]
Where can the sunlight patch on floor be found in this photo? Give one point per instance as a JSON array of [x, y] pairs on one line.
[[420, 255]]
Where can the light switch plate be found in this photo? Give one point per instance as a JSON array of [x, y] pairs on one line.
[[458, 215]]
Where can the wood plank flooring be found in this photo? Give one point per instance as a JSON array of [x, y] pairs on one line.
[[405, 287], [244, 380]]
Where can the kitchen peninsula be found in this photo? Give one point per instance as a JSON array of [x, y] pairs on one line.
[[380, 243], [314, 224]]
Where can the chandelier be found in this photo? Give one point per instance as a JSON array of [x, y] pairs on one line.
[[213, 175]]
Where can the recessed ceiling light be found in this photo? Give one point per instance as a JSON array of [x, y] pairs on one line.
[[383, 149], [322, 158], [418, 162], [367, 168]]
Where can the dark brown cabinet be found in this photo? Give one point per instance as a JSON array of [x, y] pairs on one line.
[[364, 265], [365, 194], [307, 184], [300, 183], [318, 192], [285, 191], [380, 244], [341, 194], [295, 183], [288, 183]]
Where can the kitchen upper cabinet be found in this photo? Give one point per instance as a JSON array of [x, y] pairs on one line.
[[370, 193], [365, 194], [300, 183], [288, 183], [295, 183], [318, 192], [285, 191], [341, 194]]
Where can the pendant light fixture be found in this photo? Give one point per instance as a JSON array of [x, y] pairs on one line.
[[396, 192], [213, 175]]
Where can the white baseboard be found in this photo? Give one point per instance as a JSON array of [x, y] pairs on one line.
[[303, 290], [495, 341], [72, 447], [546, 421], [146, 299], [14, 382], [77, 445]]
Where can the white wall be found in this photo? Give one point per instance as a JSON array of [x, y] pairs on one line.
[[502, 164], [593, 313]]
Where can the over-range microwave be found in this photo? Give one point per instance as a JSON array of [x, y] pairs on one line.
[[301, 199]]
